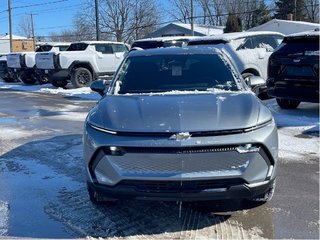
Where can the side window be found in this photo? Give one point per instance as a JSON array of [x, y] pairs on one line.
[[104, 48], [119, 48], [268, 42], [247, 44]]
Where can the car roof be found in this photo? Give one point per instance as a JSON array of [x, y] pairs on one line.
[[164, 39], [175, 51], [312, 33], [55, 43], [227, 37], [99, 42]]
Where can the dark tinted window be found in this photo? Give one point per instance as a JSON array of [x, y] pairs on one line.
[[44, 48], [77, 47], [63, 48], [188, 72], [301, 45], [104, 48]]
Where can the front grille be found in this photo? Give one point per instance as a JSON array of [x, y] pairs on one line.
[[178, 150], [180, 186]]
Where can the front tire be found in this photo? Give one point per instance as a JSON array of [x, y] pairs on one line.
[[81, 77], [287, 104]]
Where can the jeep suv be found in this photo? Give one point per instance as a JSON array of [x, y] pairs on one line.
[[250, 52], [84, 62], [293, 71], [22, 65]]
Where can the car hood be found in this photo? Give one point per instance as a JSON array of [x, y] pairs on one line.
[[178, 113]]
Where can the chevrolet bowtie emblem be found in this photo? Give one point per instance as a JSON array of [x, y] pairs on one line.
[[180, 136]]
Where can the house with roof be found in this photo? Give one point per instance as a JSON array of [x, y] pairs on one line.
[[286, 26], [183, 29]]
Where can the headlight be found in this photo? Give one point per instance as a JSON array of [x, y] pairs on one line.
[[101, 129]]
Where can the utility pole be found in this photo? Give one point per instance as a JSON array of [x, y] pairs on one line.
[[32, 29], [192, 31], [97, 20], [10, 25], [295, 10]]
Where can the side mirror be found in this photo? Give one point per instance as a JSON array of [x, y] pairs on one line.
[[99, 86], [255, 83]]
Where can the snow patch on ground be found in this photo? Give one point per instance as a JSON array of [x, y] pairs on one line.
[[4, 218], [84, 92]]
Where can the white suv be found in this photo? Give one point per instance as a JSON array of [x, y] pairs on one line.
[[250, 52], [84, 62], [22, 65]]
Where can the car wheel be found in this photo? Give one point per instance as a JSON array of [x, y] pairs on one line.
[[266, 197], [58, 82], [287, 104], [27, 78], [81, 77], [95, 198], [43, 79]]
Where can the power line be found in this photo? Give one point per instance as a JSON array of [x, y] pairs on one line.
[[39, 4]]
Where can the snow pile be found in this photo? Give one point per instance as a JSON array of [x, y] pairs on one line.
[[298, 130], [84, 92]]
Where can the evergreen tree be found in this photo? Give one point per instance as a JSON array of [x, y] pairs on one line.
[[233, 24], [285, 7], [261, 15]]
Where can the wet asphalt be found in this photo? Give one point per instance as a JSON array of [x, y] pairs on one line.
[[43, 195]]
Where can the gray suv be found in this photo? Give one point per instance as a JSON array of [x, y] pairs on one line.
[[179, 124]]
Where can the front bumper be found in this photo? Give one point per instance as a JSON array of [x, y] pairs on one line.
[[131, 190], [160, 164]]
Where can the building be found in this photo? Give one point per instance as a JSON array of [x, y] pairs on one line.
[[19, 44], [183, 29], [286, 26]]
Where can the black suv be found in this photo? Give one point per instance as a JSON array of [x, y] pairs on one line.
[[293, 70]]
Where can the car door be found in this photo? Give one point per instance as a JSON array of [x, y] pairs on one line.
[[105, 57]]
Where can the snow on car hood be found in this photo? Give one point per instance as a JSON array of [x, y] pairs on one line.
[[178, 113]]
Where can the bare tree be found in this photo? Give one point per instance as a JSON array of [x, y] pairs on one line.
[[181, 10], [312, 10], [24, 27]]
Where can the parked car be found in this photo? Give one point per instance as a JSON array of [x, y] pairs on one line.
[[179, 124], [22, 65], [249, 50], [43, 57], [4, 69], [294, 70], [84, 62], [158, 42]]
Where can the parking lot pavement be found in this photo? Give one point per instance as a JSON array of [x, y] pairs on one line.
[[43, 194]]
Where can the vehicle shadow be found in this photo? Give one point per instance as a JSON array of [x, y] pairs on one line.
[[51, 173]]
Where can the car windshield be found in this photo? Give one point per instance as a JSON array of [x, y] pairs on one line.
[[167, 73]]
